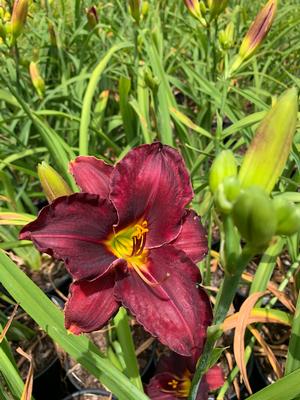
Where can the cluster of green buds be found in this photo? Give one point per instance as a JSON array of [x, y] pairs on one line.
[[245, 194], [138, 9], [256, 34], [4, 21]]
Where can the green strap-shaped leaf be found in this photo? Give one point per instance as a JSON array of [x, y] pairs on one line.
[[50, 318], [88, 97], [286, 388]]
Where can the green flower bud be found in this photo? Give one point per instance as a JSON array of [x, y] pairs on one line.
[[203, 8], [226, 37], [18, 18], [254, 216], [36, 79], [227, 193], [288, 217], [145, 8], [135, 9], [266, 157], [216, 7], [223, 166], [52, 183]]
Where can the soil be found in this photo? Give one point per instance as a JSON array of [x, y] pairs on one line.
[[77, 374], [40, 347], [50, 276], [82, 379]]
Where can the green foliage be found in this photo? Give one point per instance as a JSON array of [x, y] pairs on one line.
[[136, 73]]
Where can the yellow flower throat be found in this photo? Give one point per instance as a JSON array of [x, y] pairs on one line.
[[129, 244]]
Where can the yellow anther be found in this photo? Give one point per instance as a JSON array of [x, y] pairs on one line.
[[173, 383], [140, 230]]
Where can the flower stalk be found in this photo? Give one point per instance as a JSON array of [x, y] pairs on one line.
[[224, 299], [121, 323]]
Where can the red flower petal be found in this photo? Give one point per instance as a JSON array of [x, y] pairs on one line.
[[91, 304], [175, 364], [71, 229], [152, 182], [214, 377], [175, 310], [192, 238], [92, 175]]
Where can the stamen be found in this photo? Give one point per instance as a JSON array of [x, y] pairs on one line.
[[146, 280], [141, 245], [139, 238]]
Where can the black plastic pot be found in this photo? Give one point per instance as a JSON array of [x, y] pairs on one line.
[[62, 284], [99, 393], [257, 382], [51, 383]]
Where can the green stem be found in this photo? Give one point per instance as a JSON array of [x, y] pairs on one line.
[[232, 247], [266, 266], [207, 276], [224, 299], [233, 373], [125, 338]]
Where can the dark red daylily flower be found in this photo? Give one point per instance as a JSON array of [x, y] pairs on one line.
[[128, 239], [174, 377]]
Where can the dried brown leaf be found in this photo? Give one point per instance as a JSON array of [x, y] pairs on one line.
[[268, 351], [27, 392], [239, 340], [3, 333]]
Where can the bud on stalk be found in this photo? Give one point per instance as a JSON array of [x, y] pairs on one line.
[[254, 216], [224, 166], [18, 18], [194, 9], [256, 33], [288, 217], [37, 80], [266, 157], [226, 37], [52, 183], [92, 17], [216, 7], [135, 8]]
